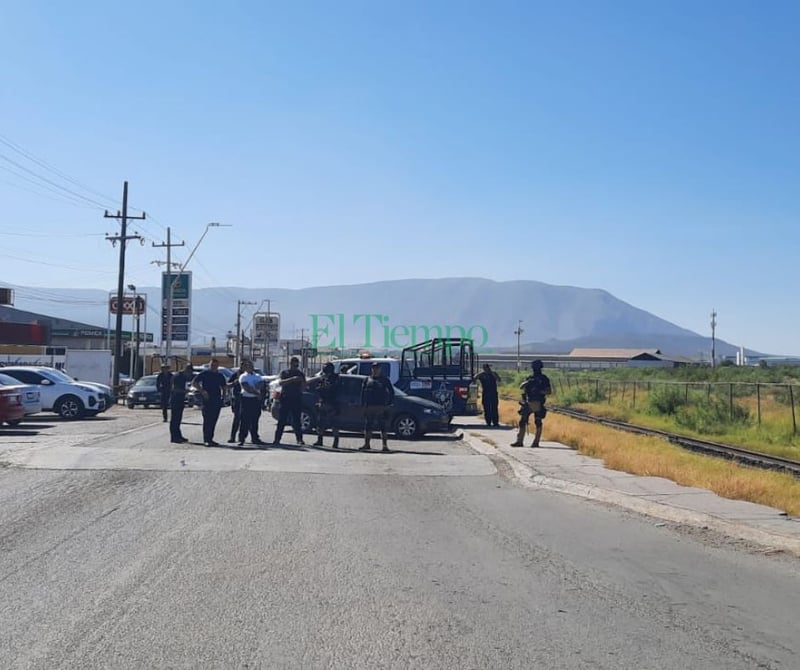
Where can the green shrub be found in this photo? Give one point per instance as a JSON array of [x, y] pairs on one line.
[[581, 394], [666, 400], [712, 417]]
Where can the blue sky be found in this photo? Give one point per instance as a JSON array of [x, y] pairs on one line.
[[649, 149]]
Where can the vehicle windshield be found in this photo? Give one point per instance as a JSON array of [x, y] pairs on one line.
[[56, 375], [150, 380], [7, 380]]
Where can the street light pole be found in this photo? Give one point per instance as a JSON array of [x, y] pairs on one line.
[[518, 332]]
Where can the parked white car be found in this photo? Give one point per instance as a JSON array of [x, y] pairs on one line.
[[60, 393], [31, 398]]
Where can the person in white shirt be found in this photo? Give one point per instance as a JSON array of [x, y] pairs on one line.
[[250, 409]]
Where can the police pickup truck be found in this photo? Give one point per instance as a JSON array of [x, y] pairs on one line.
[[441, 369]]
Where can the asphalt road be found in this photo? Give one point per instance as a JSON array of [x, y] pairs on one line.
[[426, 558]]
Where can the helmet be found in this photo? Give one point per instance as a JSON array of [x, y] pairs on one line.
[[537, 364]]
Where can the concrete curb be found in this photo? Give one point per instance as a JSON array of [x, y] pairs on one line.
[[528, 477]]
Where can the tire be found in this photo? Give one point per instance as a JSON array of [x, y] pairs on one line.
[[131, 405], [15, 422], [306, 422], [69, 408], [406, 427]]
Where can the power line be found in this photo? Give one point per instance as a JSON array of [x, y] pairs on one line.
[[47, 166], [68, 235], [52, 183], [59, 197], [56, 265]]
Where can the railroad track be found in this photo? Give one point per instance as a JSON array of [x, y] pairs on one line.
[[753, 458]]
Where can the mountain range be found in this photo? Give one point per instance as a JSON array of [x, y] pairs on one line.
[[389, 314]]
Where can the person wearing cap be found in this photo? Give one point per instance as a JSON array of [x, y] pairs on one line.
[[535, 390], [488, 379], [164, 386], [328, 405], [377, 395], [293, 381]]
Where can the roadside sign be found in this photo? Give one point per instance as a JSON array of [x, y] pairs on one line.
[[131, 305], [181, 305], [267, 327]]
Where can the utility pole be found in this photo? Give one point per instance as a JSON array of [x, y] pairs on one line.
[[122, 238], [267, 362], [239, 348], [169, 244], [713, 338], [134, 347], [518, 332]]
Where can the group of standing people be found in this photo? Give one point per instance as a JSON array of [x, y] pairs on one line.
[[535, 388], [212, 386], [245, 388]]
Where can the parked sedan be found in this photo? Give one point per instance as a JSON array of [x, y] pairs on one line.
[[11, 408], [409, 416], [144, 392], [31, 398]]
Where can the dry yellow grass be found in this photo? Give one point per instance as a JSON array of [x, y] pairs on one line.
[[653, 457]]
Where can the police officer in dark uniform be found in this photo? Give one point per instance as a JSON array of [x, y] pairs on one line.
[[377, 395], [488, 379], [293, 381], [177, 402], [535, 390], [211, 383], [236, 402], [328, 405], [164, 386]]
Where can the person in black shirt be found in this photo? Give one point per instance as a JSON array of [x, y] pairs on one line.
[[164, 386], [177, 401], [293, 381], [377, 395], [211, 384], [535, 390], [488, 379], [328, 405], [236, 402]]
